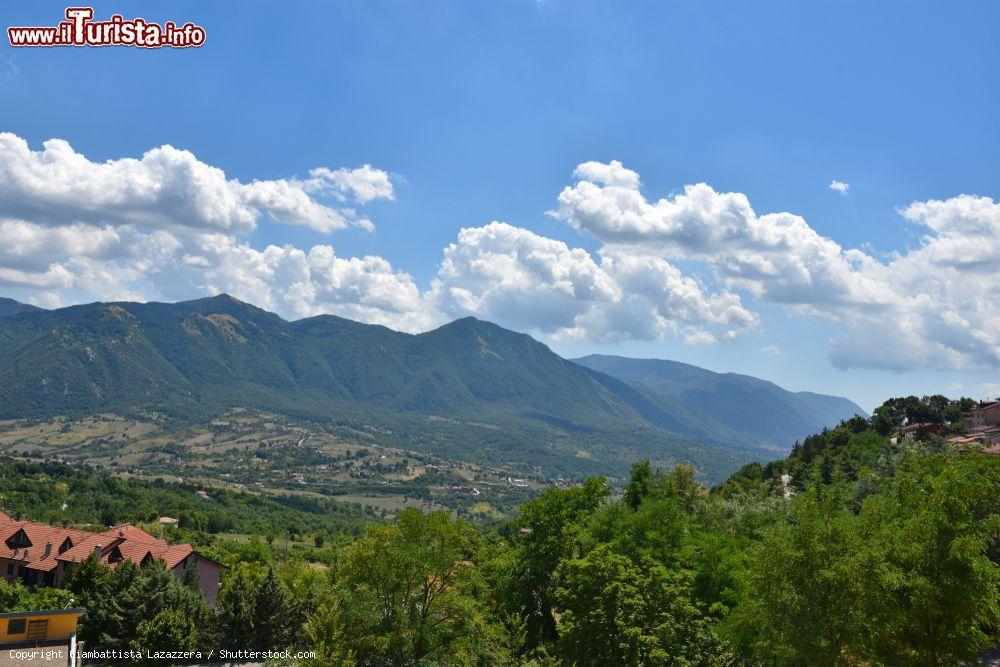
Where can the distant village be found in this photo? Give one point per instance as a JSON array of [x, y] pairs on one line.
[[981, 429]]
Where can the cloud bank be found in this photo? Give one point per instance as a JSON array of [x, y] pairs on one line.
[[931, 306], [169, 226]]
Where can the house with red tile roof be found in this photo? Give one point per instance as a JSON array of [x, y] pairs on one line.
[[40, 554]]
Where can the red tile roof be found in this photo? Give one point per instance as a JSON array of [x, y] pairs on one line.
[[173, 555], [41, 551], [43, 541], [129, 532]]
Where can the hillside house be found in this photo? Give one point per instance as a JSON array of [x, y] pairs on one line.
[[911, 431], [40, 554], [987, 413]]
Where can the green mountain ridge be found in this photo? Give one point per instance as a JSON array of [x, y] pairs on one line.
[[469, 389], [12, 307], [726, 407]]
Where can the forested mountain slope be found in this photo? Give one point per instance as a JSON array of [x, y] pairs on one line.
[[467, 389], [726, 407]]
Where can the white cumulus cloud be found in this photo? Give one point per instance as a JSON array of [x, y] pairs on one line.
[[168, 188], [928, 307], [840, 186], [517, 277], [169, 226]]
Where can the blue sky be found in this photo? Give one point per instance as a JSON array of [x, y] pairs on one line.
[[482, 111]]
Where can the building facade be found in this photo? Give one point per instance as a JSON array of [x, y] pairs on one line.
[[39, 638], [984, 414]]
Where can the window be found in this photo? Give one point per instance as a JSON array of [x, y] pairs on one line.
[[65, 546], [10, 569], [38, 630], [18, 540], [16, 626]]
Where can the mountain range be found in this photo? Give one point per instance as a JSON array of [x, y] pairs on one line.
[[469, 389], [725, 407]]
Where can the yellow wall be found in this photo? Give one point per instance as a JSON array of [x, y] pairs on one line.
[[61, 626]]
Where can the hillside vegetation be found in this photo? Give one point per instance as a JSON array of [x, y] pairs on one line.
[[875, 553], [56, 494]]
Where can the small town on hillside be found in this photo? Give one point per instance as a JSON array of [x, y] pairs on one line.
[[981, 428]]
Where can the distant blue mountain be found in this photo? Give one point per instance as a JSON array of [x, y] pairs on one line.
[[723, 408]]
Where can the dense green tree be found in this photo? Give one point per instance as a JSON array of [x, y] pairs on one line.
[[681, 483], [546, 531], [275, 617], [640, 483], [614, 612], [801, 598], [15, 596], [408, 593], [256, 610], [930, 533], [170, 630], [657, 529], [118, 601], [937, 409], [325, 635], [236, 603]]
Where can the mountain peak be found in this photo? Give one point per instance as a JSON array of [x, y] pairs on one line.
[[222, 297], [227, 304], [468, 320], [476, 324]]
